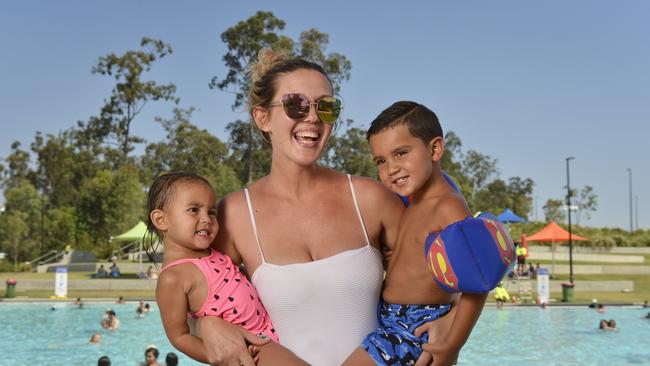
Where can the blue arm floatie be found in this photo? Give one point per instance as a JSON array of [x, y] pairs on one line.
[[471, 255]]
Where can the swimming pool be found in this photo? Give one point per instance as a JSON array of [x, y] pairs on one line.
[[32, 334]]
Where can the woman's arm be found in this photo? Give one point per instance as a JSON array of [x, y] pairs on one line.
[[225, 343], [382, 211]]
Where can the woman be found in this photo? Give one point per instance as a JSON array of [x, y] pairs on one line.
[[308, 236]]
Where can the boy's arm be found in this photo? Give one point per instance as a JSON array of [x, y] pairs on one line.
[[446, 348], [172, 303]]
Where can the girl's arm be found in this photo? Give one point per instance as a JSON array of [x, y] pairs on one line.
[[173, 305]]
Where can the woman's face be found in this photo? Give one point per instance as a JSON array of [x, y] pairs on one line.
[[301, 141]]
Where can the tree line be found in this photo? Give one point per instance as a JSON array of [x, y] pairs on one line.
[[85, 184]]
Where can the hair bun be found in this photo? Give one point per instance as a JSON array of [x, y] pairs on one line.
[[266, 60]]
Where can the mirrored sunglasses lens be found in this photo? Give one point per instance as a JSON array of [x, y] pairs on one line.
[[328, 109], [296, 106]]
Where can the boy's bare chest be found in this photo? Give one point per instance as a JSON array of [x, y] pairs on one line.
[[415, 227]]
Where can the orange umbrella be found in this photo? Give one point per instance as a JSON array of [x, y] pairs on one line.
[[553, 233]]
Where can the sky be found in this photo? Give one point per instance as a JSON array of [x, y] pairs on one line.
[[527, 83]]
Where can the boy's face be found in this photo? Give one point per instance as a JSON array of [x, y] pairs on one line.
[[404, 162]]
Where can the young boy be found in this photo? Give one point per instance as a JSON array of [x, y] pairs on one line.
[[407, 145]]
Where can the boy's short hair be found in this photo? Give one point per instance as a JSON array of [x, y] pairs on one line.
[[420, 120]]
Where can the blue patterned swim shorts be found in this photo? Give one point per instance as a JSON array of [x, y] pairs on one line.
[[393, 343]]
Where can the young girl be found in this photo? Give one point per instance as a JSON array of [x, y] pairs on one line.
[[197, 279]]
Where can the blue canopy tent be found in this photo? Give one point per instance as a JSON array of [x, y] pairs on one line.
[[508, 217]]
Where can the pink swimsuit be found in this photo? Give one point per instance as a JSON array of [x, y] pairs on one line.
[[230, 295]]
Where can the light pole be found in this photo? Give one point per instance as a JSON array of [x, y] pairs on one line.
[[629, 171], [636, 212], [568, 203]]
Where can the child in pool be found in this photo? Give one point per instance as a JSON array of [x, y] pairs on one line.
[[407, 145], [197, 279]]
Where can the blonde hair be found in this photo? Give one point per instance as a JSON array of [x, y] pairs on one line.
[[264, 73]]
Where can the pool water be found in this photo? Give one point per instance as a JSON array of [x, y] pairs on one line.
[[558, 336], [32, 334]]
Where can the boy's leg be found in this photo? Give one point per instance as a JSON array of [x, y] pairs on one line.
[[272, 354]]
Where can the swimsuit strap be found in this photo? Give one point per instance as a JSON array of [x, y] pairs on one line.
[[180, 261], [250, 213], [356, 207]]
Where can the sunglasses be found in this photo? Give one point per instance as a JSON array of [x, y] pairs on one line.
[[297, 106]]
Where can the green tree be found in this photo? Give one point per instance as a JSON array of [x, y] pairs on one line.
[[451, 163], [109, 203], [349, 151], [477, 176], [130, 94], [554, 210], [125, 202], [492, 198], [189, 148], [18, 167], [22, 210], [244, 41], [60, 168], [312, 47], [479, 170], [93, 194], [249, 164], [13, 232], [587, 202], [60, 228], [520, 199]]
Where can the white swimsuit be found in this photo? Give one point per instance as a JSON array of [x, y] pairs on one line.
[[323, 309]]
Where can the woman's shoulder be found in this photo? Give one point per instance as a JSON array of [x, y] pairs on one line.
[[366, 182], [232, 203], [372, 189]]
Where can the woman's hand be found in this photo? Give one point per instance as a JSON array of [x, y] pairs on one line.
[[443, 353], [435, 351], [226, 344]]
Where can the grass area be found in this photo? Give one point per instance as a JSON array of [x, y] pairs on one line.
[[575, 262], [73, 294], [641, 286], [50, 275], [641, 289], [604, 297]]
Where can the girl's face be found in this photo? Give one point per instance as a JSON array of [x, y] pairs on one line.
[[301, 141], [190, 219]]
